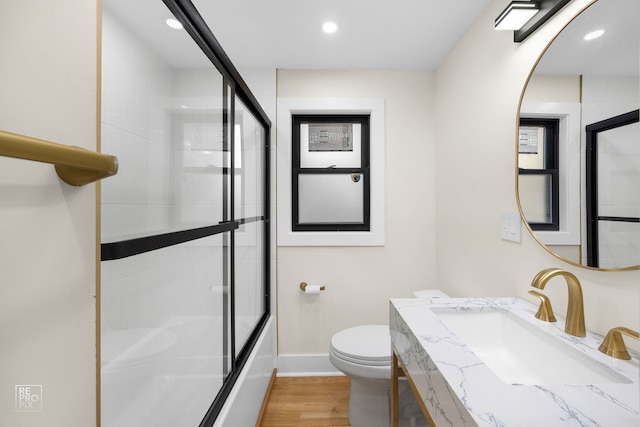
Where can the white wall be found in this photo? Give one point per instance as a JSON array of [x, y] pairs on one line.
[[478, 89], [467, 135], [48, 90], [360, 280]]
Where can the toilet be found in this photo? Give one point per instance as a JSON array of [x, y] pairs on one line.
[[363, 353]]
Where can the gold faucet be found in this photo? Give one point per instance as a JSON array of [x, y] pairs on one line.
[[575, 310], [545, 312], [613, 344]]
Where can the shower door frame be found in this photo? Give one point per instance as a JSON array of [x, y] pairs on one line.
[[234, 87], [591, 176]]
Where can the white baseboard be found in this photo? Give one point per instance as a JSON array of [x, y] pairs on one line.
[[306, 365]]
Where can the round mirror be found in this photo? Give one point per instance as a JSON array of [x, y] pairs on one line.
[[578, 165]]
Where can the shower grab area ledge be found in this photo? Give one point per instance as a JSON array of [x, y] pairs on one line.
[[75, 166]]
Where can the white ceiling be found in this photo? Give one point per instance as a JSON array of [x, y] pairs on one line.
[[372, 34], [617, 52]]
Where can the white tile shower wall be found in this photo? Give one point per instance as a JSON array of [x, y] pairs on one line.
[[605, 97], [150, 289], [135, 128]]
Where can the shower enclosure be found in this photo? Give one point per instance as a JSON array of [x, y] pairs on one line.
[[185, 223], [612, 197]]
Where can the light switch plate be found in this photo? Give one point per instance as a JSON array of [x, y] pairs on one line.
[[510, 226]]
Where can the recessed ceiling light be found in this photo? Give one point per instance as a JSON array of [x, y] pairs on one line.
[[329, 27], [594, 35], [174, 23]]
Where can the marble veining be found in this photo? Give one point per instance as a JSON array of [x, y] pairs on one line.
[[459, 389]]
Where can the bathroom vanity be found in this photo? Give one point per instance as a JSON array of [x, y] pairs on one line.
[[490, 362]]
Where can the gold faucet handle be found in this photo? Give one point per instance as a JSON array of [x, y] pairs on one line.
[[545, 312], [613, 344]]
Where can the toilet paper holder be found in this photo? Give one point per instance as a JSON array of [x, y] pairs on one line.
[[303, 286]]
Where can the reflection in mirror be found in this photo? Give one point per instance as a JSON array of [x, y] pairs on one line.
[[612, 215], [588, 74], [538, 172]]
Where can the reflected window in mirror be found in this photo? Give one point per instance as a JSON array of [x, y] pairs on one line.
[[330, 173], [538, 172]]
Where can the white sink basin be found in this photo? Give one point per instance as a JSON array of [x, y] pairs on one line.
[[518, 352]]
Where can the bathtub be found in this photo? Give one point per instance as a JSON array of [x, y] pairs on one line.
[[166, 376]]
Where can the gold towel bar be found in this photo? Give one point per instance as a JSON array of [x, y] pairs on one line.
[[74, 165]]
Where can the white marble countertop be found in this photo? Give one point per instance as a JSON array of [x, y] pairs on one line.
[[458, 389]]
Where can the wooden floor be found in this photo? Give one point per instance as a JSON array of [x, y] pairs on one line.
[[308, 401]]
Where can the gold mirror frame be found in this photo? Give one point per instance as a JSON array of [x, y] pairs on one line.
[[522, 215]]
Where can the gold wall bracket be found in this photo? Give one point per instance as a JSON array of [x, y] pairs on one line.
[[74, 165]]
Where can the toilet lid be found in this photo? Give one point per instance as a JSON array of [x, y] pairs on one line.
[[367, 345]]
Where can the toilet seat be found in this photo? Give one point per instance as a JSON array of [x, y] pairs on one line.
[[368, 345]]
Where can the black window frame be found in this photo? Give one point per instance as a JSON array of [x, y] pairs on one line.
[[550, 169], [364, 170]]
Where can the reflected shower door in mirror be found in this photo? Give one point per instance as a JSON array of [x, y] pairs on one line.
[[612, 196], [588, 74]]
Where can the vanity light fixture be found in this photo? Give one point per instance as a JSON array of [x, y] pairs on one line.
[[516, 14], [525, 17], [174, 23]]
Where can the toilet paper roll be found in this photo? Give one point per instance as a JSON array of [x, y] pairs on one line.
[[312, 290]]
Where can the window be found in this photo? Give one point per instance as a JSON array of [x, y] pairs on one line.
[[374, 108], [538, 172], [330, 173]]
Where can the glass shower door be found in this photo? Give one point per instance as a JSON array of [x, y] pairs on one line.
[[250, 210], [163, 360], [167, 223], [184, 280]]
